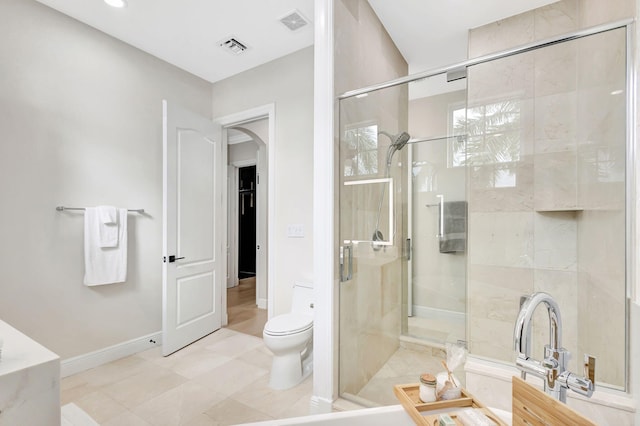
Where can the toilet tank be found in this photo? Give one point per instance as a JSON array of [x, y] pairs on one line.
[[302, 298]]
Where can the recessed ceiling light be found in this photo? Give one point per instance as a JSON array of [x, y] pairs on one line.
[[116, 3]]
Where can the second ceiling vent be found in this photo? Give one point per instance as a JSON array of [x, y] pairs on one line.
[[294, 20]]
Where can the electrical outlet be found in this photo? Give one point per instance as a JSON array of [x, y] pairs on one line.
[[295, 231]]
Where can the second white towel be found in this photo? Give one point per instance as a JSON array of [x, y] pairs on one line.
[[108, 226], [104, 265]]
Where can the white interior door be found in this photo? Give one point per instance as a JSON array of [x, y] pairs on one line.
[[193, 264]]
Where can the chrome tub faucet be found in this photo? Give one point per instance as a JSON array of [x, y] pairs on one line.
[[553, 367]]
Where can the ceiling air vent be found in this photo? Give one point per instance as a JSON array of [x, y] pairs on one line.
[[294, 20], [232, 45]]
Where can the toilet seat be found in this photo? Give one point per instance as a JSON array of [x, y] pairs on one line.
[[283, 325]]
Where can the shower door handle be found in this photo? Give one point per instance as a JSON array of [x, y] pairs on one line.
[[407, 248], [346, 262], [441, 216]]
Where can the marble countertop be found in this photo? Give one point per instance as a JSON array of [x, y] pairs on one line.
[[20, 352]]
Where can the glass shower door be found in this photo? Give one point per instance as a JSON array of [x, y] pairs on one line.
[[402, 234], [372, 230]]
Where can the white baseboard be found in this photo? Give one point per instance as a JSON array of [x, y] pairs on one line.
[[319, 405], [262, 303], [90, 360], [232, 282]]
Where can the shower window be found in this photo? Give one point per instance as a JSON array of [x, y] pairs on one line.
[[494, 139], [457, 126], [362, 151]]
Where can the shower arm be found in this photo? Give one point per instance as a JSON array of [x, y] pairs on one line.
[[397, 143], [390, 151]]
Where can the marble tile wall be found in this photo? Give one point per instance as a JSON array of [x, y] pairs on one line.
[[558, 226]]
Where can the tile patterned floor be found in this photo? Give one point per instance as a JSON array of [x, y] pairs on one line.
[[222, 379], [219, 380], [405, 366]]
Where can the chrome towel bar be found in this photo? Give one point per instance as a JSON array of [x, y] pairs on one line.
[[63, 208]]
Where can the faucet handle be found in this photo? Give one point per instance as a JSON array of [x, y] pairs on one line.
[[582, 385], [522, 300], [590, 368]]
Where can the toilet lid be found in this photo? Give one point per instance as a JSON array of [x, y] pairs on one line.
[[288, 324]]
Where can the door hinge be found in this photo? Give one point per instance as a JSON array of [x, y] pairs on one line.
[[257, 178]]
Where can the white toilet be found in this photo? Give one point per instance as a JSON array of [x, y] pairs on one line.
[[289, 337]]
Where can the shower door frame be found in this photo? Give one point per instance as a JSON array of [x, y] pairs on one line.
[[632, 292]]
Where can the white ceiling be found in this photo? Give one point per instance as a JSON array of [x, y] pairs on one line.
[[186, 33], [433, 33]]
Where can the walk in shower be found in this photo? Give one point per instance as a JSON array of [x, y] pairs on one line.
[[512, 179]]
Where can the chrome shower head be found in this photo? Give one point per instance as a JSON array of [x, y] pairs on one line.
[[401, 140], [397, 143]]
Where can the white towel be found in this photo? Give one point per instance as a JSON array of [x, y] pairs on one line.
[[107, 226], [108, 215], [104, 265]]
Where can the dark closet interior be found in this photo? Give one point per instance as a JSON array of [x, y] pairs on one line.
[[247, 222]]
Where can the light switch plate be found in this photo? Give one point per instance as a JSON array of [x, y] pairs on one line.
[[295, 231]]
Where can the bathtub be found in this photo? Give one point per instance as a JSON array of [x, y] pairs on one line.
[[380, 416]]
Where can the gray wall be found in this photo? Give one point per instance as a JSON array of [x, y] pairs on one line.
[[288, 83], [81, 121], [244, 151]]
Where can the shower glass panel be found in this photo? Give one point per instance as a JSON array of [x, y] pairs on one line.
[[437, 211], [372, 228], [545, 157], [402, 226], [513, 181]]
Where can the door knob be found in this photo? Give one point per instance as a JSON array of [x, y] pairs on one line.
[[173, 258]]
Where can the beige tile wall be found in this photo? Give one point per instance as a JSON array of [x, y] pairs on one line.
[[561, 228]]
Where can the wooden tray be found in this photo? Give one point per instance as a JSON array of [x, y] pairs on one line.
[[409, 397]]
